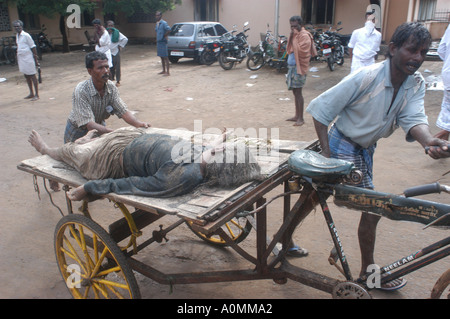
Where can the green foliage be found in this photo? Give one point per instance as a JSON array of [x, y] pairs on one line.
[[50, 8], [129, 7]]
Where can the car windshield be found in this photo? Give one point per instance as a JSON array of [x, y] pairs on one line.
[[182, 30], [220, 29], [206, 30]]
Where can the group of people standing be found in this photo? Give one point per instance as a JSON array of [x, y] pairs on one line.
[[109, 41]]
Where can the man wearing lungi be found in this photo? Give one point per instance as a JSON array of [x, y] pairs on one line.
[[299, 49], [162, 31], [371, 104], [27, 59]]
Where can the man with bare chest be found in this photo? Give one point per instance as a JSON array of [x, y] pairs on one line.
[[371, 104]]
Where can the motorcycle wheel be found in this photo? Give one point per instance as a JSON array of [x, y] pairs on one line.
[[255, 61], [340, 56], [330, 61], [10, 55], [207, 57], [224, 63]]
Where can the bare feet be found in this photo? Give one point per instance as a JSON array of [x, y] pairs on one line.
[[77, 194], [29, 96], [298, 122], [35, 98], [37, 142]]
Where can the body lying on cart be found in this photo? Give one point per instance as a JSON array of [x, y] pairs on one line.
[[93, 264]]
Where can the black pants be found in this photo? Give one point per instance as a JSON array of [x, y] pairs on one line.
[[115, 70]]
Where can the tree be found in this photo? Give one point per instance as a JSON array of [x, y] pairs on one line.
[[129, 7], [55, 8], [52, 8]]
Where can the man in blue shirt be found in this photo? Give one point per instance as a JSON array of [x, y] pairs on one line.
[[371, 104], [162, 31]]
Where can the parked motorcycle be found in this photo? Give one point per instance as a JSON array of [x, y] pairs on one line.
[[234, 50], [332, 50], [266, 53], [210, 51], [43, 44]]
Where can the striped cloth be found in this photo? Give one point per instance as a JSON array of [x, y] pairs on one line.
[[342, 147]]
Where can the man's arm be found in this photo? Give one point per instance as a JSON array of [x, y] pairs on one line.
[[132, 120], [99, 127], [322, 134]]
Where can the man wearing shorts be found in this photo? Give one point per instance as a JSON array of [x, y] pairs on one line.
[[371, 104], [162, 31], [299, 53]]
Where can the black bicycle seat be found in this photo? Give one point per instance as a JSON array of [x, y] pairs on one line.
[[312, 164]]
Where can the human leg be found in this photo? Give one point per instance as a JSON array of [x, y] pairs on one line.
[[366, 236], [39, 144], [36, 87], [295, 82], [30, 86], [299, 103]]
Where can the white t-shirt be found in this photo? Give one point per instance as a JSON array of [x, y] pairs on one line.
[[365, 43]]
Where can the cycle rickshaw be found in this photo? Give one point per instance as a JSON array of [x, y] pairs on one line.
[[94, 265]]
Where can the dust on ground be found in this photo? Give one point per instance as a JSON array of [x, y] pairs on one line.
[[196, 94]]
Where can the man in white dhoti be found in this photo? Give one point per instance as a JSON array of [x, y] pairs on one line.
[[27, 59], [103, 40]]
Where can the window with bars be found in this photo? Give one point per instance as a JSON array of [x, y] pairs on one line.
[[318, 11], [5, 24]]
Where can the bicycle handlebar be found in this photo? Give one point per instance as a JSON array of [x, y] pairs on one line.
[[426, 189]]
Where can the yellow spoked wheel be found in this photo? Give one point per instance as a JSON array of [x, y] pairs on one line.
[[237, 228], [90, 262]]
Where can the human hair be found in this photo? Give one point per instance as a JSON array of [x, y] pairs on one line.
[[232, 167], [297, 18], [96, 21], [94, 56], [420, 35], [19, 22]]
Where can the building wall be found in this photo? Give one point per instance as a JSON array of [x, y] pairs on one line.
[[259, 14]]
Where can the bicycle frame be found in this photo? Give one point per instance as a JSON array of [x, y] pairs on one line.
[[391, 206]]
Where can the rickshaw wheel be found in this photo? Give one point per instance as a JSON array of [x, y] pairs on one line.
[[90, 262], [236, 228], [441, 289]]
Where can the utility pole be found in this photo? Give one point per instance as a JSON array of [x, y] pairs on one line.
[[277, 17]]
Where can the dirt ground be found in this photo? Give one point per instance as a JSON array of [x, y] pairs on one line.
[[218, 99]]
